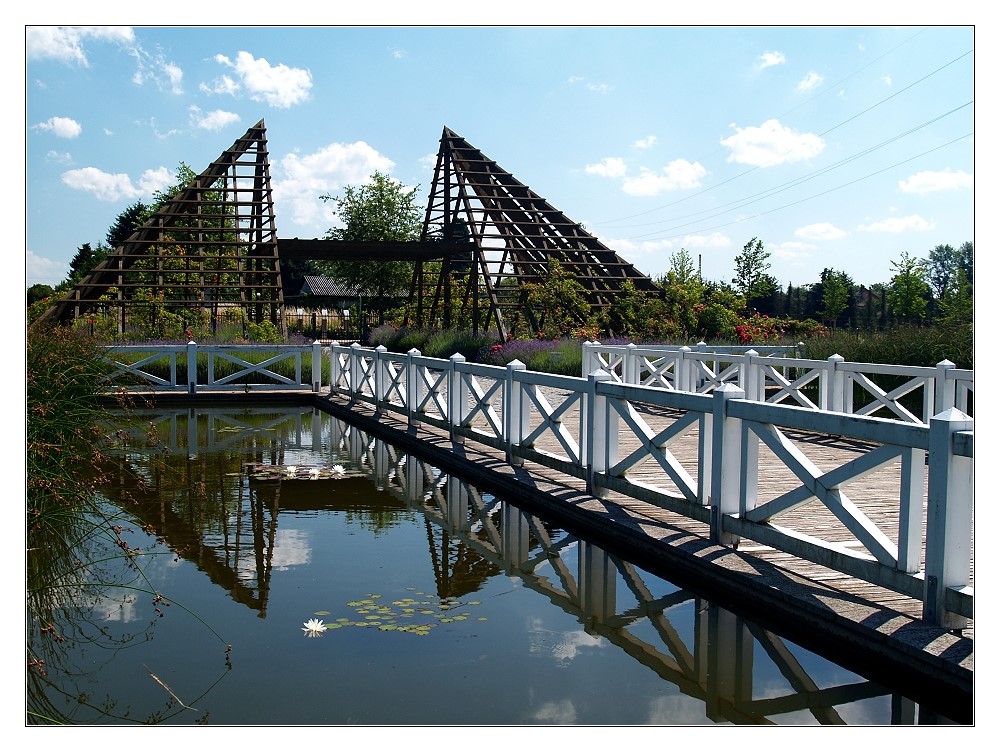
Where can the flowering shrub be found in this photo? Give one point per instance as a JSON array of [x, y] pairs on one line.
[[759, 328]]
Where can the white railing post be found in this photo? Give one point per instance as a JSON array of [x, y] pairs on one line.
[[589, 357], [752, 377], [381, 375], [630, 365], [831, 385], [355, 371], [602, 434], [412, 387], [515, 412], [684, 371], [192, 362], [949, 518], [726, 475], [317, 366], [944, 389], [458, 399], [334, 368]]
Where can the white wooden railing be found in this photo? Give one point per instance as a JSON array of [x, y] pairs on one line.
[[592, 418], [226, 367], [775, 375], [513, 409]]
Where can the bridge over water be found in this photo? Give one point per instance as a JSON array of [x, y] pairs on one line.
[[853, 529]]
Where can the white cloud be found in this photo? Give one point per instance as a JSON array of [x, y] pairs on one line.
[[929, 181], [65, 43], [678, 175], [174, 75], [599, 88], [428, 161], [154, 67], [899, 224], [791, 251], [712, 240], [767, 59], [222, 85], [278, 85], [887, 80], [397, 53], [811, 81], [43, 271], [561, 713], [59, 157], [771, 144], [644, 143], [305, 178], [106, 186], [609, 167], [215, 120], [820, 231], [63, 127], [152, 181]]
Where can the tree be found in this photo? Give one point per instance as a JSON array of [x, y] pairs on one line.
[[836, 294], [130, 219], [908, 289], [39, 292], [380, 210], [751, 269], [683, 293]]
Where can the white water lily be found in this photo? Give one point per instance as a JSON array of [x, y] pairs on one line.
[[338, 470], [290, 470], [313, 627]]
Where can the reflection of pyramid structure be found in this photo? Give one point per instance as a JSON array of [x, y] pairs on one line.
[[212, 246], [512, 234]]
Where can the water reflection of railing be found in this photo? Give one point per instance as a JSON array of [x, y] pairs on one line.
[[708, 652], [584, 580]]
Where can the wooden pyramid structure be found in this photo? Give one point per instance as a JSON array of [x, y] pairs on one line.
[[212, 246], [512, 233]]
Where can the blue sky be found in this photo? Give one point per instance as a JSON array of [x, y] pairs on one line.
[[838, 146]]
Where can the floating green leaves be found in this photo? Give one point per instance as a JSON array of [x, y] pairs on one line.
[[404, 614]]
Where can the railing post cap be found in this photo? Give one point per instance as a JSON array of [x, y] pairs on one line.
[[837, 358], [381, 349], [950, 415], [632, 345], [457, 358], [599, 375], [356, 344], [684, 348], [945, 364], [730, 390], [751, 353], [413, 351], [516, 365]]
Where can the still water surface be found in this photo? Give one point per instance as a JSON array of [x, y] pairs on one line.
[[443, 605]]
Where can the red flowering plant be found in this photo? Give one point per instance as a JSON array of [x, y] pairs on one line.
[[758, 329]]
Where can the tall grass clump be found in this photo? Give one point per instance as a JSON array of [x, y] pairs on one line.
[[904, 345], [560, 356]]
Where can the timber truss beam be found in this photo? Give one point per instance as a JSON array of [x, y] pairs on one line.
[[212, 245], [511, 234]]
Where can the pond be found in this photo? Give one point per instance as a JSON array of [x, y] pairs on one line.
[[434, 603]]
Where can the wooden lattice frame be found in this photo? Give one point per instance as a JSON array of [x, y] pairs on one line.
[[213, 245], [512, 233]]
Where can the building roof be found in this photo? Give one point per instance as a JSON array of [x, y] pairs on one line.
[[324, 287]]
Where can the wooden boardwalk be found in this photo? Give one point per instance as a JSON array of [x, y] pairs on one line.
[[817, 604]]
